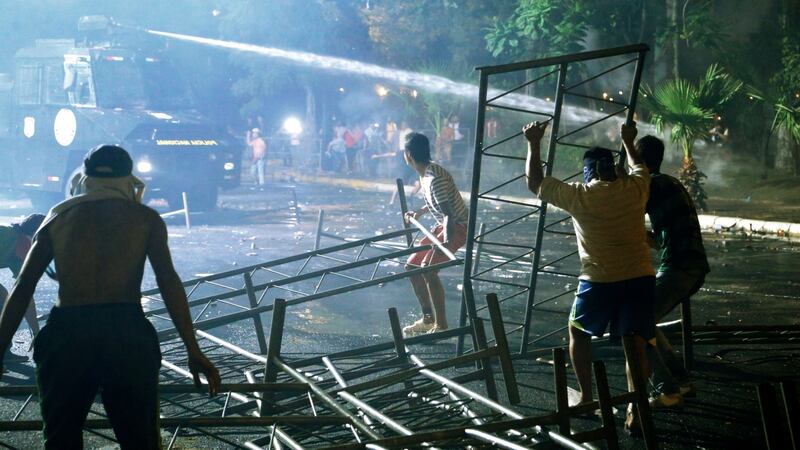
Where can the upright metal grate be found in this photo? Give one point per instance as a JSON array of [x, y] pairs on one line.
[[518, 247]]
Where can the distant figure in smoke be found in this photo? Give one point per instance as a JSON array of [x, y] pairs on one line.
[[459, 141], [259, 148], [401, 168], [15, 242], [373, 142], [446, 136], [444, 202], [336, 154], [677, 237], [97, 336]]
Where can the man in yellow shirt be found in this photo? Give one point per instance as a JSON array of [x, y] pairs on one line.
[[617, 280]]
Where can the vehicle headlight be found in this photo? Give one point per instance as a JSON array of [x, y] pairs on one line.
[[144, 166], [229, 166]]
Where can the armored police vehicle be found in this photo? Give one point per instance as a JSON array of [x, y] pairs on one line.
[[67, 97]]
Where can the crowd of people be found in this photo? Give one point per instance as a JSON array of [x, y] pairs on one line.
[[376, 150], [98, 339]]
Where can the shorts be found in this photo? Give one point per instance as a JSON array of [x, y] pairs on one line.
[[110, 348], [672, 288], [627, 305], [435, 255]]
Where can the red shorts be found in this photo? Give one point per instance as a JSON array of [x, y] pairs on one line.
[[458, 238]]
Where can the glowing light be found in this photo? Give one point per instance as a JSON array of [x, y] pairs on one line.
[[605, 95], [382, 91], [144, 166], [611, 99], [54, 178], [341, 89], [620, 92], [229, 166], [293, 126], [414, 93], [547, 99], [216, 12]]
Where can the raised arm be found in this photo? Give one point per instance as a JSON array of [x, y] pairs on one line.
[[177, 305], [628, 133], [533, 164], [34, 266]]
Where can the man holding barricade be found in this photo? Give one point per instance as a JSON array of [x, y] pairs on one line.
[[681, 272], [617, 282]]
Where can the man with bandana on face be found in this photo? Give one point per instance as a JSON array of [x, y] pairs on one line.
[[617, 282], [97, 337]]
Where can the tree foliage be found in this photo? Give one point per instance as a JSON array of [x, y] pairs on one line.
[[416, 33], [689, 110], [540, 27], [321, 26]]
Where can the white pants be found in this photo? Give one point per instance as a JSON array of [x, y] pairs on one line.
[[257, 171]]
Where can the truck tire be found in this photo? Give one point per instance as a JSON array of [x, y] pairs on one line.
[[200, 198]]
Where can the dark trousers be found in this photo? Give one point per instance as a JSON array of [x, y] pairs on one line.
[[112, 349]]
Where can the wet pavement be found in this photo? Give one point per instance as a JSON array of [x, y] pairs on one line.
[[754, 281]]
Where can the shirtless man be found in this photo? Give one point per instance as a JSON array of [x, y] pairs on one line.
[[259, 146], [97, 335]]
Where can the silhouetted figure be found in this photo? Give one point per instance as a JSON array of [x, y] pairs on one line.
[[97, 336]]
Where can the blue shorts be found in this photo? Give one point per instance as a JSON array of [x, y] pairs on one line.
[[628, 305]]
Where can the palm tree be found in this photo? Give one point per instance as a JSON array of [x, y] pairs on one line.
[[689, 110], [786, 117]]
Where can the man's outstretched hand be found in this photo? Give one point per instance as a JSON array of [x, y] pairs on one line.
[[628, 132], [200, 364], [534, 131]]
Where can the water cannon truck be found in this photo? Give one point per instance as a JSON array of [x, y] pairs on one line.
[[67, 96]]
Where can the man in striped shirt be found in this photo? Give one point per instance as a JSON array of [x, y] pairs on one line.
[[444, 202]]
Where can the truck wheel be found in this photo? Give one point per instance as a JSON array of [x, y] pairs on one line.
[[203, 198], [200, 198], [43, 201]]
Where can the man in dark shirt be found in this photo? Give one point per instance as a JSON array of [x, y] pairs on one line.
[[682, 270]]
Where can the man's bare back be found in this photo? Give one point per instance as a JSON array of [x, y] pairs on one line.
[[100, 249], [97, 337]]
